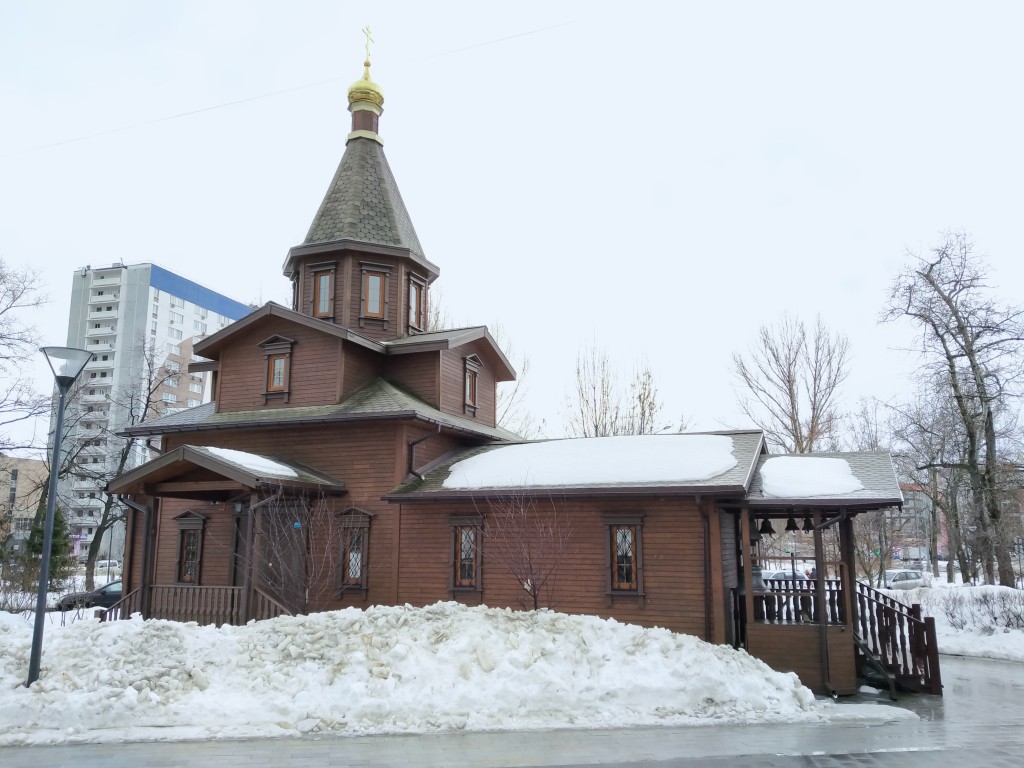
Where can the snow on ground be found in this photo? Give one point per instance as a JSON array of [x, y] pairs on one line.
[[403, 669], [626, 460], [382, 670], [987, 641]]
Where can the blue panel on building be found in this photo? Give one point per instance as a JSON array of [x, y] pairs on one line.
[[179, 286]]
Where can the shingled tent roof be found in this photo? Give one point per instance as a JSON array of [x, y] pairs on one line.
[[363, 203]]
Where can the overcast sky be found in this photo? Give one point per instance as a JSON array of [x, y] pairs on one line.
[[658, 178]]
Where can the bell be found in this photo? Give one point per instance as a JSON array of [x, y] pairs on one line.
[[791, 524], [766, 527], [808, 525], [755, 535]]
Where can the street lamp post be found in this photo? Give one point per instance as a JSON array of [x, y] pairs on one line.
[[66, 363]]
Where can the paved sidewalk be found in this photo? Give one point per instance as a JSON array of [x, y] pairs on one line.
[[976, 722]]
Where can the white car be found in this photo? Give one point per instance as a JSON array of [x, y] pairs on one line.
[[904, 578]]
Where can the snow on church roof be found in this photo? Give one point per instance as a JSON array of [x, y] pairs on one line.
[[856, 479], [687, 463], [625, 460]]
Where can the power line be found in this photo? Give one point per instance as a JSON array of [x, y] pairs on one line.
[[272, 94]]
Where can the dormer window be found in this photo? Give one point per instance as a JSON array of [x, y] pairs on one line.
[[323, 290], [277, 356], [472, 370], [277, 373], [417, 304]]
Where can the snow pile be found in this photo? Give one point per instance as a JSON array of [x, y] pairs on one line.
[[967, 619], [799, 477], [625, 460], [386, 669]]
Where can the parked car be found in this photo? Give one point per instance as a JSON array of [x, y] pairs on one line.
[[103, 597], [783, 575], [102, 565], [904, 578]]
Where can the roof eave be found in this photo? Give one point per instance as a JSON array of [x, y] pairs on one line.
[[860, 505], [210, 346], [141, 431], [565, 492], [312, 249]]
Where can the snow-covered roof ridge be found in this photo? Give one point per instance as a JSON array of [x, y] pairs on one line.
[[682, 463]]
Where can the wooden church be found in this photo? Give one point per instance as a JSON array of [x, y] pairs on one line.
[[350, 456]]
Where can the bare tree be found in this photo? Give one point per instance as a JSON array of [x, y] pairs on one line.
[[530, 540], [298, 552], [600, 407], [511, 411], [971, 343], [20, 293], [792, 377], [438, 318], [134, 403]]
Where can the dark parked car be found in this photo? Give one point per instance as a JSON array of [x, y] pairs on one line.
[[103, 597]]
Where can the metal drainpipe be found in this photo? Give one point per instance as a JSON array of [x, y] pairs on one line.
[[412, 451]]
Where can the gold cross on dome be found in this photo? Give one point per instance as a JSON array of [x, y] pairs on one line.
[[369, 39]]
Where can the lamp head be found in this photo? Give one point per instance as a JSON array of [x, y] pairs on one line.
[[66, 363]]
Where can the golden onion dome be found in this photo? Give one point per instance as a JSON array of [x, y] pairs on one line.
[[365, 89]]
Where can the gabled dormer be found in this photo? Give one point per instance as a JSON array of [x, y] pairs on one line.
[[361, 265]]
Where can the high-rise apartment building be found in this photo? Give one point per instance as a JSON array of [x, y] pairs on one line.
[[140, 322]]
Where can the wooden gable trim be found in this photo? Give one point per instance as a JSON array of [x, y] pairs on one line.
[[211, 346]]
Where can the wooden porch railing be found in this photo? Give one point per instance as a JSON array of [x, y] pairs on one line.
[[124, 608], [266, 607], [795, 601], [204, 605], [901, 639]]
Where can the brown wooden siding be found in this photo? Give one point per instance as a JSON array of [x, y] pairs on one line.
[[672, 561], [375, 329], [313, 379], [794, 648], [217, 542], [364, 456], [453, 380], [362, 366], [433, 447], [417, 375]]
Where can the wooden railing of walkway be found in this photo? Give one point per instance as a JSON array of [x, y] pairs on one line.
[[795, 601], [901, 639], [266, 607], [124, 608], [204, 605]]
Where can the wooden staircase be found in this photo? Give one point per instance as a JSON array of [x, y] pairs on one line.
[[897, 641]]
